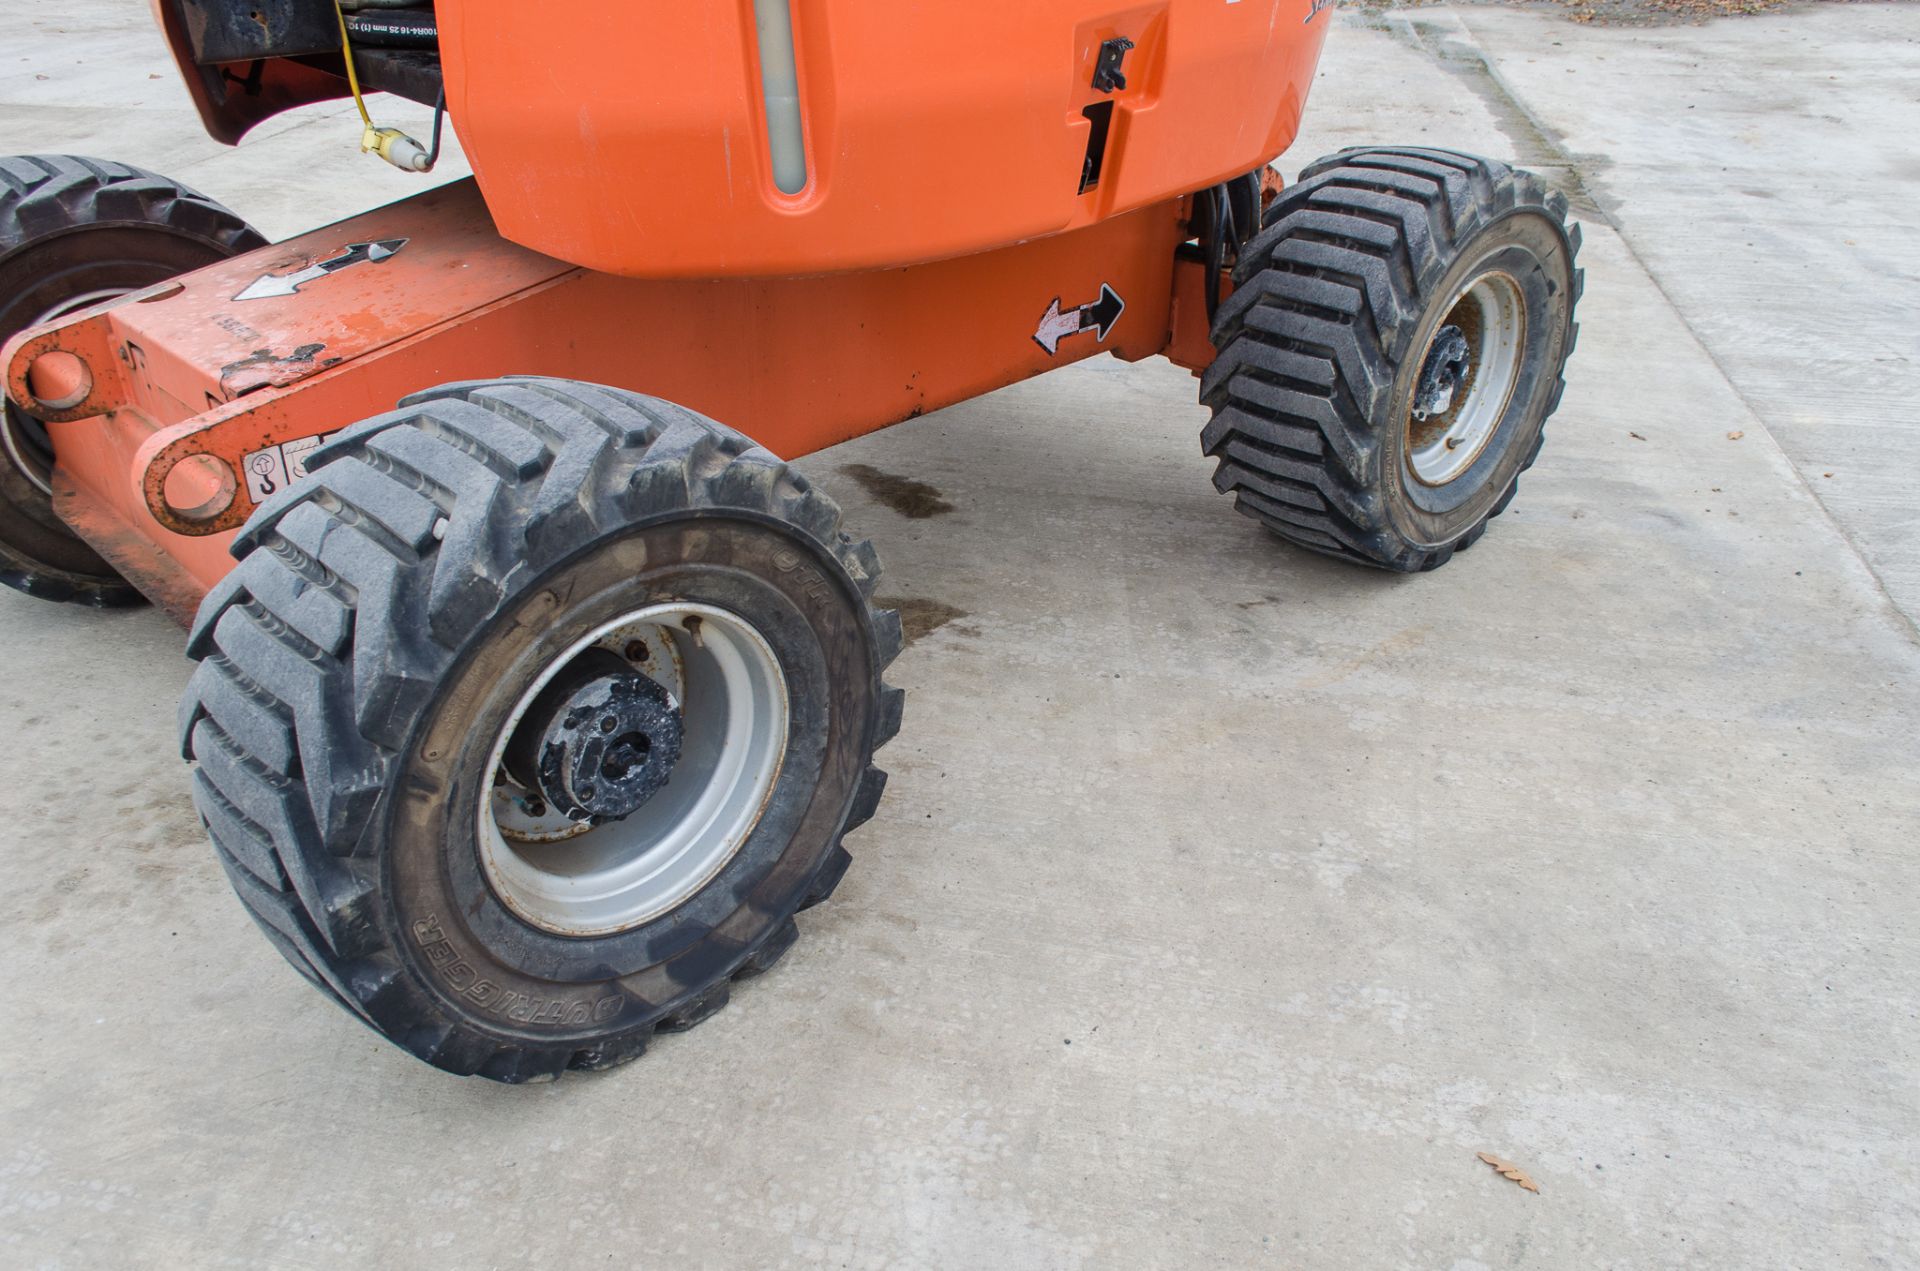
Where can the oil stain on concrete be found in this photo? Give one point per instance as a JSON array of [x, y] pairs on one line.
[[920, 617], [913, 499]]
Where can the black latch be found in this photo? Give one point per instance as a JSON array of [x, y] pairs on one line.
[[1106, 72]]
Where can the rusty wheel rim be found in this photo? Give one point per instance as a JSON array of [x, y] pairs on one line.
[[1489, 311]]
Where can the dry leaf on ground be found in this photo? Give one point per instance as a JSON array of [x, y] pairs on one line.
[[1636, 436], [1509, 1170], [1735, 436]]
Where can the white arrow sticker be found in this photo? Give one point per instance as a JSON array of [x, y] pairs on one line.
[[267, 285], [1098, 316]]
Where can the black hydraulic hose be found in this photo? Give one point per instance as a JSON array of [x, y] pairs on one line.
[[439, 117], [1246, 209], [1219, 231], [1232, 212]]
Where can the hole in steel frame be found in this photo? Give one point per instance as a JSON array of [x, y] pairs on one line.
[[1100, 115], [780, 94], [198, 487]]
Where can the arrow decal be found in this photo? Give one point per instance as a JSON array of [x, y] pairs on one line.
[[1098, 316], [267, 285]]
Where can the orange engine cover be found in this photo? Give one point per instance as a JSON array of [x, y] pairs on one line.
[[635, 138]]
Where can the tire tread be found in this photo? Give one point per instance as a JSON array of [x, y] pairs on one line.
[[1326, 299], [319, 647]]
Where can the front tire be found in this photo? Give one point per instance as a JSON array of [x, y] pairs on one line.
[[1391, 351], [527, 723], [73, 233]]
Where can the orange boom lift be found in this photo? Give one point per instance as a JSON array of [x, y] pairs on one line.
[[536, 694]]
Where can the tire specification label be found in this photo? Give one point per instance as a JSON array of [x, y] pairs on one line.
[[272, 470]]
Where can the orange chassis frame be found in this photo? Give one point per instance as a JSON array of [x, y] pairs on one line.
[[133, 390]]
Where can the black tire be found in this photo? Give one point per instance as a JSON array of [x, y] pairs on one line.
[[386, 614], [69, 228], [1336, 304]]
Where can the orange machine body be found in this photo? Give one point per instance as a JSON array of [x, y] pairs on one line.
[[634, 138], [976, 204], [930, 130], [181, 407]]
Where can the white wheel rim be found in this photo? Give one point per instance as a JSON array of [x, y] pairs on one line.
[[580, 880], [1491, 312]]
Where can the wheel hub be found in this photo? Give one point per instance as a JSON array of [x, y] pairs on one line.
[[599, 741], [1440, 378], [590, 828]]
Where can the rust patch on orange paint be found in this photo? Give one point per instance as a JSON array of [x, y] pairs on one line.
[[262, 368]]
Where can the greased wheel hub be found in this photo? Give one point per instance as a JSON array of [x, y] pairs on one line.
[[599, 741]]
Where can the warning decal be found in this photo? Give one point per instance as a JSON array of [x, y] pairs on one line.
[[272, 470]]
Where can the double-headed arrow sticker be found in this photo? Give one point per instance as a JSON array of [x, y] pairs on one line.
[[1098, 316], [286, 284]]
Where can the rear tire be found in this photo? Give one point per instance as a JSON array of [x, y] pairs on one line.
[[76, 232], [398, 617], [1379, 280]]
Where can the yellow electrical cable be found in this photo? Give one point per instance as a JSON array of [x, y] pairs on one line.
[[391, 144], [346, 54]]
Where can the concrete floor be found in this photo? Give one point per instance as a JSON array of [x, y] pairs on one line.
[[1225, 901]]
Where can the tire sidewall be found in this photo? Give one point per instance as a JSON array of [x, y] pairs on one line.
[[493, 970], [1531, 247], [34, 274]]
